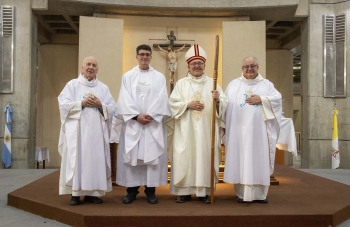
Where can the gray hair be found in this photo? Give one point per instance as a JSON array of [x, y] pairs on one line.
[[255, 59], [90, 57]]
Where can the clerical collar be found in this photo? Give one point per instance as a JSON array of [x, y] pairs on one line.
[[258, 78], [196, 77], [86, 82], [144, 70]]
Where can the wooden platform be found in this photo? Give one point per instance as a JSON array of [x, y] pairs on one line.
[[300, 200]]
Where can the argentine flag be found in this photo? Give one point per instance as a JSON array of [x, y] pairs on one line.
[[335, 145], [6, 150]]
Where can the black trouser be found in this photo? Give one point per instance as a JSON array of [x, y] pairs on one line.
[[135, 190]]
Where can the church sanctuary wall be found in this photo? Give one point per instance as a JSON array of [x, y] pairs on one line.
[[22, 100], [57, 64], [62, 66], [238, 43], [279, 70], [103, 39], [317, 110], [150, 30]]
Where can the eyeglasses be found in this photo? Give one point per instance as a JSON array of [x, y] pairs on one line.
[[249, 66], [144, 54], [196, 63]]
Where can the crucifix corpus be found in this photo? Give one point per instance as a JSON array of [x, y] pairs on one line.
[[171, 52]]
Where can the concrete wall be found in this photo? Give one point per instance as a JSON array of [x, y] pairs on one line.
[[22, 100], [344, 104], [317, 110], [297, 113], [57, 64], [194, 4]]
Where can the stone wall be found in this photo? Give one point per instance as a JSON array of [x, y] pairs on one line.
[[23, 98], [317, 110]]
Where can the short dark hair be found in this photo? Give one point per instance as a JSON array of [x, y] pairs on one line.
[[143, 47]]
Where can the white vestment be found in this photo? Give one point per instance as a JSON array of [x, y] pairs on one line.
[[251, 135], [191, 157], [84, 139], [142, 150]]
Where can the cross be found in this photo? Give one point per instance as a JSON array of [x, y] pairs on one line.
[[171, 38], [171, 53]]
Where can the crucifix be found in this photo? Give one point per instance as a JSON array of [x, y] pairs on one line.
[[171, 55]]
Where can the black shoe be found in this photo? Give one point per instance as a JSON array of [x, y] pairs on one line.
[[152, 199], [74, 201], [183, 198], [242, 201], [205, 199], [92, 199], [264, 201], [129, 198]]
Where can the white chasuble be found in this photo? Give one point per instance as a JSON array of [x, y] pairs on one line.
[[191, 156], [251, 135], [142, 150], [84, 139]]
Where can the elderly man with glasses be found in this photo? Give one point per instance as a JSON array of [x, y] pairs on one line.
[[142, 151], [191, 104], [252, 120]]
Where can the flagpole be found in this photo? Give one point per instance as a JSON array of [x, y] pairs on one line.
[[213, 123]]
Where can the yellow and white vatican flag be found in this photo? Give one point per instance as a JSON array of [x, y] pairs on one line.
[[6, 150], [335, 145]]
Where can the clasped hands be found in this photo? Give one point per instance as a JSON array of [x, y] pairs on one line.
[[91, 101], [144, 119], [197, 105]]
